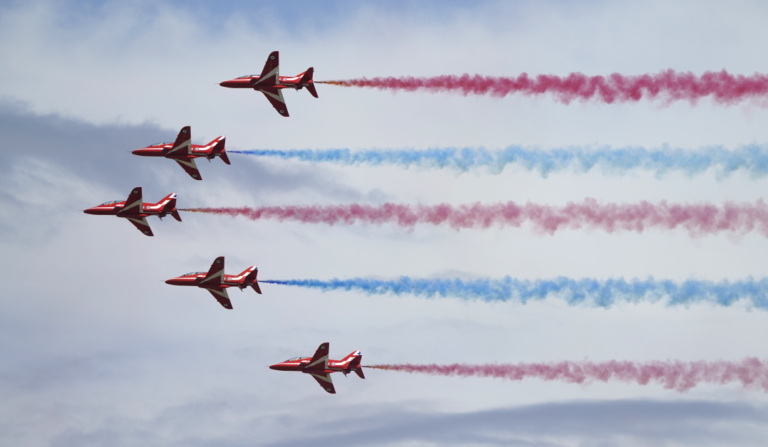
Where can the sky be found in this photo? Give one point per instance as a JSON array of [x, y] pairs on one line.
[[96, 350]]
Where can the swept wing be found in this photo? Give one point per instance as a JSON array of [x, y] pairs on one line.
[[222, 297], [141, 224], [189, 166], [324, 380], [275, 97]]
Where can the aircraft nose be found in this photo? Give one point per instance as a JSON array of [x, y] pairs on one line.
[[235, 83], [90, 211], [273, 367]]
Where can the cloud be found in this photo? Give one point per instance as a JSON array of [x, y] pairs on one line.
[[575, 423]]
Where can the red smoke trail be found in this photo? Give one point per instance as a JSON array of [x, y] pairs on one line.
[[697, 219], [672, 374], [670, 85]]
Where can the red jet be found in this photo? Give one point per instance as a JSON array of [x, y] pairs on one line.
[[216, 282], [137, 211], [271, 83], [184, 153], [321, 368]]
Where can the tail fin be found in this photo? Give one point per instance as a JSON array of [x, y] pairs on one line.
[[354, 365], [270, 75], [170, 207], [215, 274], [218, 149], [170, 203], [250, 280], [307, 82]]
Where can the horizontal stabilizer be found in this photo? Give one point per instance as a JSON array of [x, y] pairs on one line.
[[175, 214], [311, 90], [359, 372]]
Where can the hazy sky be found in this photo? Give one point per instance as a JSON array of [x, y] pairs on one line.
[[96, 350]]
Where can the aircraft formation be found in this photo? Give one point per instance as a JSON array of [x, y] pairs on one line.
[[215, 281], [698, 219]]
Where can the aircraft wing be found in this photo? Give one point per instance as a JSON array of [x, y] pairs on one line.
[[270, 75], [324, 380], [182, 144], [320, 359], [133, 204], [222, 297], [275, 97], [215, 275], [190, 167], [141, 224]]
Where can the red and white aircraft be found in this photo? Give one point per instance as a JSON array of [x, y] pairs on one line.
[[136, 211], [271, 83], [321, 368], [216, 282], [184, 153]]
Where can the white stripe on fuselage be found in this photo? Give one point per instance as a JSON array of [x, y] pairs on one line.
[[206, 148]]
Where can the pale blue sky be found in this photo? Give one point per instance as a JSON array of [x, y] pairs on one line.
[[96, 350]]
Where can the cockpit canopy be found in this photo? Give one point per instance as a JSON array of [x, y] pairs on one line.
[[193, 274], [247, 76], [162, 144], [294, 359], [111, 202]]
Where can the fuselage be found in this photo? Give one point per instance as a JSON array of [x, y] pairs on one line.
[[300, 364], [162, 150], [252, 81], [195, 278], [113, 207]]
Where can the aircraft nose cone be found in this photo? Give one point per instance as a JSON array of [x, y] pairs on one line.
[[273, 367], [235, 83], [89, 211]]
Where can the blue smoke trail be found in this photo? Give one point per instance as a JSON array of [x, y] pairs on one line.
[[751, 158], [591, 291]]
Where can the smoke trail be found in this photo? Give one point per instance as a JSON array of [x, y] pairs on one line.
[[668, 85], [585, 291], [698, 219], [672, 374], [752, 159]]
